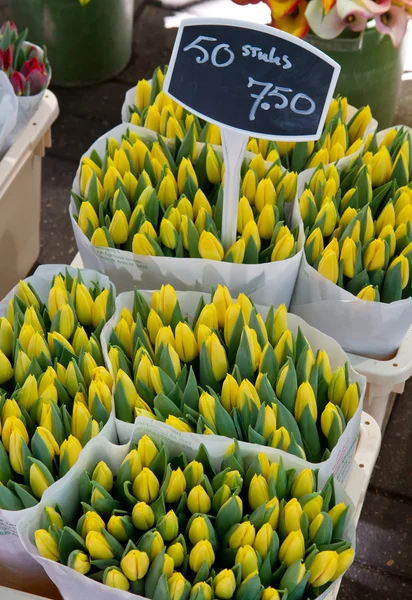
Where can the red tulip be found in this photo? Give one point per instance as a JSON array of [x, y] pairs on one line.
[[35, 74], [6, 59], [37, 81], [18, 82]]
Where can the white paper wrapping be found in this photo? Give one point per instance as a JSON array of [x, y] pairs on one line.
[[74, 585], [340, 460], [13, 557], [8, 109], [372, 329], [26, 107], [270, 283]]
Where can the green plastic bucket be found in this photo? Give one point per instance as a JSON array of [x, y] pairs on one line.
[[371, 71], [86, 44]]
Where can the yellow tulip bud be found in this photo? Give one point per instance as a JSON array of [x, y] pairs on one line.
[[265, 194], [178, 424], [38, 480], [328, 416], [305, 397], [70, 448], [87, 217], [289, 184], [360, 123], [198, 500], [247, 558], [328, 266], [210, 247], [46, 545], [292, 548], [345, 559], [142, 516], [258, 491], [263, 540], [266, 222], [303, 484], [224, 584], [103, 475], [404, 268], [135, 564], [249, 186], [251, 230], [200, 553], [327, 218], [322, 359], [323, 567], [270, 593], [348, 255], [283, 248], [244, 215], [316, 239], [243, 535], [146, 486]]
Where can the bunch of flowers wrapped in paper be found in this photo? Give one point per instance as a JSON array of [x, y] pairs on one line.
[[148, 106], [55, 393], [145, 197], [228, 372], [26, 65], [164, 526], [358, 223]]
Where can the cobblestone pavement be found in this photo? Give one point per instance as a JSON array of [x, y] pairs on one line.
[[383, 566]]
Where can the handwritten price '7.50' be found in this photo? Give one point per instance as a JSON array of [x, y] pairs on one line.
[[269, 90]]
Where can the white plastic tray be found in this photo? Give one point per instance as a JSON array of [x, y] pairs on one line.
[[386, 378]]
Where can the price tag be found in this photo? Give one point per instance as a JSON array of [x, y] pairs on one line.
[[250, 80]]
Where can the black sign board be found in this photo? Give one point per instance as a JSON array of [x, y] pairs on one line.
[[251, 77]]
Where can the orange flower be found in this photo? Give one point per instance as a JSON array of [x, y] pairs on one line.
[[295, 22]]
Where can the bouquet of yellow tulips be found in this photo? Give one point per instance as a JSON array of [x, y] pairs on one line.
[[148, 106], [174, 526], [55, 393], [154, 200], [227, 372], [358, 223]]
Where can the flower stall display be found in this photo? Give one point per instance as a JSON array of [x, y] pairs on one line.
[[147, 106], [358, 245], [160, 523], [232, 369], [145, 210], [29, 72]]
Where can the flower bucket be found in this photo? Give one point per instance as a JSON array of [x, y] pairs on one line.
[[371, 71], [86, 44]]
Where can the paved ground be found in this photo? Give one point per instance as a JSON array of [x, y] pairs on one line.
[[383, 566]]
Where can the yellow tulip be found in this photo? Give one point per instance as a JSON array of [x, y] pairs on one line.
[[292, 548], [328, 266], [46, 545]]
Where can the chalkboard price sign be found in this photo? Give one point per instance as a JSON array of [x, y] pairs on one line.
[[253, 78]]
